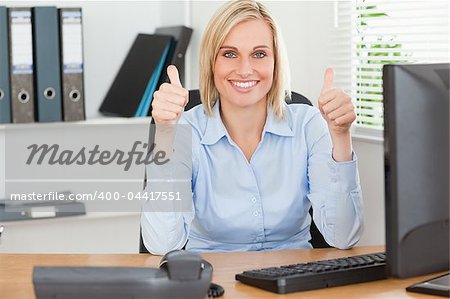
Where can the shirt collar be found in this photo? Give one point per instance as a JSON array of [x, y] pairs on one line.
[[278, 126], [215, 129]]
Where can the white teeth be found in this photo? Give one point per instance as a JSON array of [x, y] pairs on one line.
[[244, 84]]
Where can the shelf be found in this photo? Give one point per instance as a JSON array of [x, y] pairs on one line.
[[87, 216], [90, 122]]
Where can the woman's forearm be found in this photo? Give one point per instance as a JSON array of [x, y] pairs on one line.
[[342, 146]]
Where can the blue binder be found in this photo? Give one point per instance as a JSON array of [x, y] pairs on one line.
[[47, 64], [5, 93], [144, 105]]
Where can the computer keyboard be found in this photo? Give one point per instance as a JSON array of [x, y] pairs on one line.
[[318, 274]]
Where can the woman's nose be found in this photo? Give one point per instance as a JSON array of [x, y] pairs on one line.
[[245, 68]]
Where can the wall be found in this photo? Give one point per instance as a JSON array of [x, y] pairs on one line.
[[371, 172]]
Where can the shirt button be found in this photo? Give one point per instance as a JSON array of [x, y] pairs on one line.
[[255, 213], [253, 199]]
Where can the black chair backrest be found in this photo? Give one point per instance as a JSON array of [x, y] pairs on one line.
[[317, 239], [194, 99]]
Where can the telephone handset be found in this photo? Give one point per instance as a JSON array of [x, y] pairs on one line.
[[186, 266], [182, 274]]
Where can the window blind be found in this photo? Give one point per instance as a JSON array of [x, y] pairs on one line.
[[371, 33]]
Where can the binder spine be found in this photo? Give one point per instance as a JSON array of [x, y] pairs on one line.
[[182, 35], [21, 64], [5, 93], [147, 98], [47, 64], [176, 55], [178, 58], [72, 67]]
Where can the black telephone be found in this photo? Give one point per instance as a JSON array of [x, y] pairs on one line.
[[182, 274]]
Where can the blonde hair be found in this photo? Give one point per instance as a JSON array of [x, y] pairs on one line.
[[228, 16]]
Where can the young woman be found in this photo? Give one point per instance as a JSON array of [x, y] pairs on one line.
[[258, 164]]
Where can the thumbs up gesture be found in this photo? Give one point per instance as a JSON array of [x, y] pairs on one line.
[[170, 99], [336, 106]]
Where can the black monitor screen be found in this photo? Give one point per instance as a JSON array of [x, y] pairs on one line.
[[416, 136]]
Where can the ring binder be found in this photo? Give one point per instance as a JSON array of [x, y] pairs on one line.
[[21, 64], [72, 67], [47, 64], [5, 94]]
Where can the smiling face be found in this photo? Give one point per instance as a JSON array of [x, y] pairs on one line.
[[243, 71]]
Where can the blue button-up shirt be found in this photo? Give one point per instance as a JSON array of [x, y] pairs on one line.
[[262, 204]]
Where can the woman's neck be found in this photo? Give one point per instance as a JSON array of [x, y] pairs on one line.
[[245, 125]]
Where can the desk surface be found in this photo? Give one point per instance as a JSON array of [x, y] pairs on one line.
[[16, 269]]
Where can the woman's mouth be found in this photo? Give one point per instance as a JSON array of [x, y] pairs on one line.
[[244, 85]]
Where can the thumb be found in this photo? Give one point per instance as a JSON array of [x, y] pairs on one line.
[[173, 75], [328, 80]]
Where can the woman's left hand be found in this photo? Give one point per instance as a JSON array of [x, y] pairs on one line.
[[336, 106]]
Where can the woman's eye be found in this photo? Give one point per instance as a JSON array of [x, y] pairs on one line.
[[229, 55], [260, 55]]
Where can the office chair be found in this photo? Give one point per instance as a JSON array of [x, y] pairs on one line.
[[317, 240]]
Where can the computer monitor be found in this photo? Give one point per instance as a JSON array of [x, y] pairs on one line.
[[416, 144]]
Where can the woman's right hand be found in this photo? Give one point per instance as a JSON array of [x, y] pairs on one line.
[[170, 99]]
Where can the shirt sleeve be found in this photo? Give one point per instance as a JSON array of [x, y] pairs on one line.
[[168, 211], [164, 231], [334, 189]]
